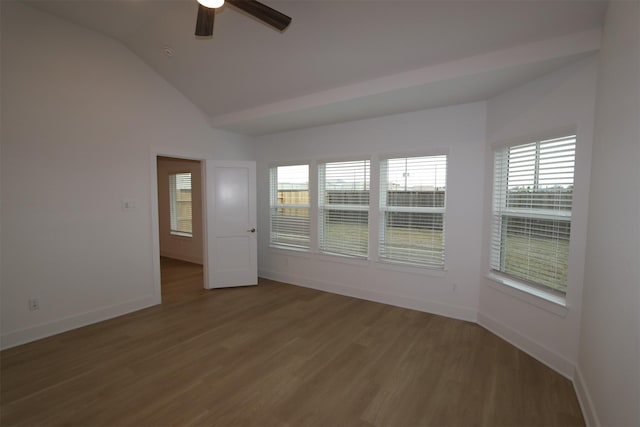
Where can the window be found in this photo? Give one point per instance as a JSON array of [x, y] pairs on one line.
[[532, 197], [290, 206], [343, 208], [180, 204], [412, 209]]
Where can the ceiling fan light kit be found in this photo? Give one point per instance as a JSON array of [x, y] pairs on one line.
[[211, 4], [262, 12]]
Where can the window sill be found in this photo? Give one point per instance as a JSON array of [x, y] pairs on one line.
[[320, 256], [289, 250], [545, 300], [181, 235], [410, 268], [382, 265], [343, 259]]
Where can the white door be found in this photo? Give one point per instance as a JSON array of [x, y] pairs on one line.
[[231, 224]]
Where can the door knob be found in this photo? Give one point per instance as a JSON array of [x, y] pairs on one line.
[[252, 230]]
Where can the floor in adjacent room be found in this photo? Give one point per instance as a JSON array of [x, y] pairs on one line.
[[277, 355]]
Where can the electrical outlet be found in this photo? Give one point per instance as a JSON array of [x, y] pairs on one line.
[[34, 304]]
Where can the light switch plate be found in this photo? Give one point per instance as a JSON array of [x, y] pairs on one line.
[[128, 205]]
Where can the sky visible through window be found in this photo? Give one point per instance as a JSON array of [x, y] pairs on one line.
[[347, 176], [417, 173], [541, 166], [293, 177], [411, 173]]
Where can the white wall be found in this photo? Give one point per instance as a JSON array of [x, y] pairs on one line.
[[83, 118], [609, 362], [82, 121], [172, 246], [457, 130], [564, 98]]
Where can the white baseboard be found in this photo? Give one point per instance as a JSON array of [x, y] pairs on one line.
[[455, 312], [44, 330], [536, 350], [588, 410], [553, 360]]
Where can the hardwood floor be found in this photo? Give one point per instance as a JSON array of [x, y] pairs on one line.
[[181, 280], [277, 355]]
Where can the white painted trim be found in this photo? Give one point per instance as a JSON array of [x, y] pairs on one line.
[[409, 268], [456, 312], [541, 135], [536, 350], [44, 330], [347, 158], [341, 259], [275, 164], [155, 227], [553, 360], [531, 295], [155, 216], [584, 398], [433, 151]]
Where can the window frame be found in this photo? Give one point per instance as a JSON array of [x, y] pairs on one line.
[[499, 210], [274, 204], [322, 207], [383, 208], [173, 207]]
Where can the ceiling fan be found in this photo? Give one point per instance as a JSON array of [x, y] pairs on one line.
[[207, 10]]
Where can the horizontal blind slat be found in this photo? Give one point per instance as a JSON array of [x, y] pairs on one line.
[[180, 204], [289, 195], [412, 209], [532, 200], [343, 208]]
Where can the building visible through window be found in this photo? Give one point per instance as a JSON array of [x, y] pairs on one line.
[[532, 199], [290, 206], [412, 210], [343, 208]]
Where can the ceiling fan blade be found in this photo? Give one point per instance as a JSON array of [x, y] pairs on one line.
[[204, 22], [262, 12]]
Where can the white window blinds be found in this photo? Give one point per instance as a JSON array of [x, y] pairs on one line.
[[343, 208], [531, 223], [180, 206], [412, 210], [290, 206]]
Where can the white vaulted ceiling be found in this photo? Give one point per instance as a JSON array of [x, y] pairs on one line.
[[344, 60]]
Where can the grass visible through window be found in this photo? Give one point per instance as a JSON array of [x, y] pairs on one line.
[[523, 253], [533, 257]]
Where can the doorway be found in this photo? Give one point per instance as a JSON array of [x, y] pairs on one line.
[[180, 227]]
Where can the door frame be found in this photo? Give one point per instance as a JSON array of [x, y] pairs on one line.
[[155, 215]]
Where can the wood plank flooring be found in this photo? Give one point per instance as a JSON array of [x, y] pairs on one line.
[[277, 355]]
